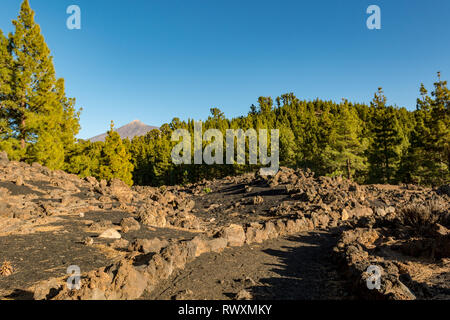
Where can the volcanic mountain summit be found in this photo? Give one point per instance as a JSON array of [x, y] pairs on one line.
[[130, 130]]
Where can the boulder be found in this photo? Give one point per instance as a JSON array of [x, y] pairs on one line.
[[380, 212], [344, 215], [389, 210], [92, 181], [120, 190], [304, 224], [280, 227], [44, 289], [201, 245], [243, 295], [159, 268], [183, 295], [110, 234], [359, 212], [148, 245], [272, 232], [129, 224], [320, 219], [291, 226], [234, 234], [186, 206], [128, 283], [100, 226], [152, 216], [6, 210], [365, 237], [120, 244], [19, 181], [255, 233], [396, 290], [176, 254], [217, 244]]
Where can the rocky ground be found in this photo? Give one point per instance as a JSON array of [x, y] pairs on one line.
[[291, 236]]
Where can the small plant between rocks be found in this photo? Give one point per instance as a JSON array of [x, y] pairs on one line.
[[6, 269], [207, 190]]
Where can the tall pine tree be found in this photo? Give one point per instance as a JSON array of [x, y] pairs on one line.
[[428, 158], [5, 82], [344, 154], [41, 118], [384, 154]]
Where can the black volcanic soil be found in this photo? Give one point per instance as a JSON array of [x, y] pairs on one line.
[[49, 250], [230, 203]]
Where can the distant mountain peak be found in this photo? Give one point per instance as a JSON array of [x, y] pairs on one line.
[[133, 129]]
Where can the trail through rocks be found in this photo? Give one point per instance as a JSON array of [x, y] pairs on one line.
[[298, 267]]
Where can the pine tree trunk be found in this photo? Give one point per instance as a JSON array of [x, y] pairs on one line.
[[349, 170], [448, 162], [386, 163], [22, 134], [22, 129], [1, 107]]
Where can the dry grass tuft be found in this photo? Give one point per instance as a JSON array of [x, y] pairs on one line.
[[425, 215], [6, 269]]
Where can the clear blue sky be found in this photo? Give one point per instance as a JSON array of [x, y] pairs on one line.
[[155, 60]]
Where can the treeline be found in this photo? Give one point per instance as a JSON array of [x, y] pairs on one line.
[[375, 143]]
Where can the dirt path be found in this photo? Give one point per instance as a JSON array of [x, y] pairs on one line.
[[297, 267]]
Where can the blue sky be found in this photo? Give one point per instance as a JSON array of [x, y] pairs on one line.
[[155, 60]]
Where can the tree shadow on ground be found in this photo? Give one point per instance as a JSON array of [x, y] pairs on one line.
[[19, 294], [307, 272]]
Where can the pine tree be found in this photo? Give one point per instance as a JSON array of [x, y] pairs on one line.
[[115, 161], [440, 126], [310, 150], [141, 150], [33, 74], [40, 116], [162, 168], [70, 117], [428, 158], [8, 142], [384, 153], [83, 158], [288, 147], [5, 81], [344, 155]]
